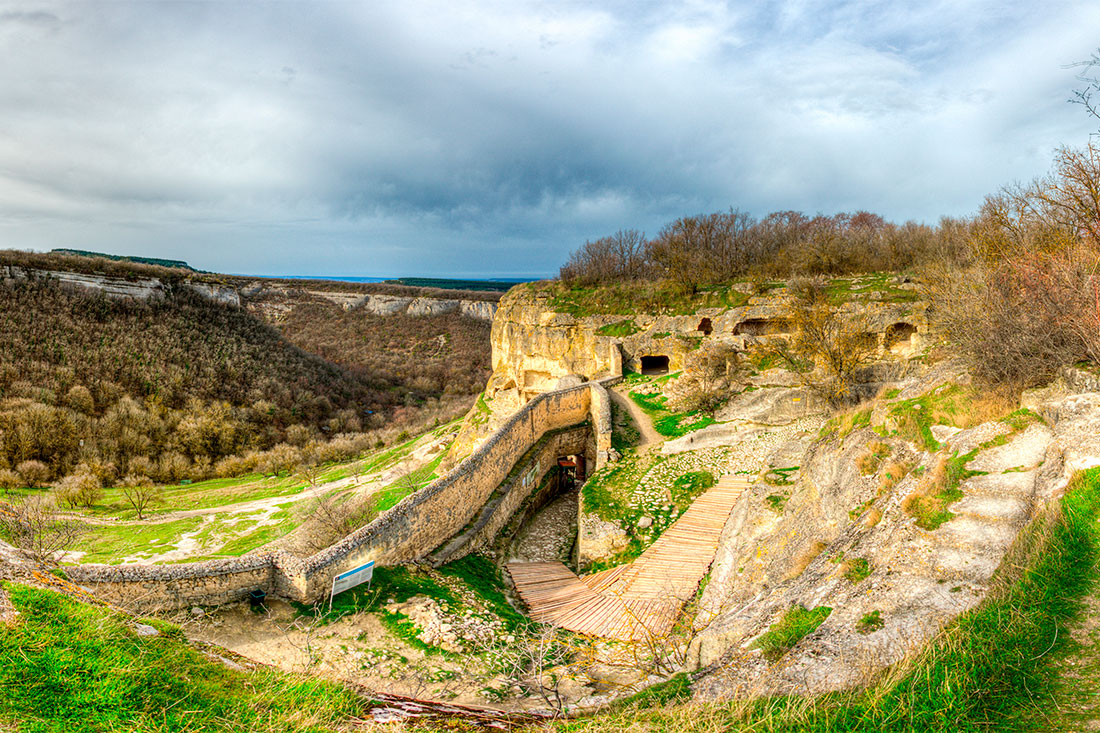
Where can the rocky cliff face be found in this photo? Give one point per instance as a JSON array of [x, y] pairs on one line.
[[234, 294], [139, 288], [271, 296], [849, 541], [536, 343]]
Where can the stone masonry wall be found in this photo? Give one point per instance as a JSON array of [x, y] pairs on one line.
[[524, 479], [166, 587], [407, 532]]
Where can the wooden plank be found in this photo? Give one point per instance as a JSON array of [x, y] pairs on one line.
[[640, 599]]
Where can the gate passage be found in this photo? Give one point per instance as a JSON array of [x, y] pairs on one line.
[[640, 600]]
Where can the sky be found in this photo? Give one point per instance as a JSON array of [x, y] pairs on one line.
[[489, 139]]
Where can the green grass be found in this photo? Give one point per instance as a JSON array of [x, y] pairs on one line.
[[619, 329], [776, 502], [676, 689], [845, 289], [483, 577], [666, 422], [931, 510], [394, 492], [687, 487], [857, 570], [870, 622], [993, 669], [396, 582], [624, 432], [109, 544], [781, 476], [261, 535], [627, 298], [845, 424], [68, 666], [796, 623]]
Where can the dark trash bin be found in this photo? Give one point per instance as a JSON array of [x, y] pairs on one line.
[[256, 598]]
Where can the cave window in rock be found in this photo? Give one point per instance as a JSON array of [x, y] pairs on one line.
[[762, 327], [899, 337], [657, 364], [705, 326]]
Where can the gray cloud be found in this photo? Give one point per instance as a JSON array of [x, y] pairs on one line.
[[493, 137]]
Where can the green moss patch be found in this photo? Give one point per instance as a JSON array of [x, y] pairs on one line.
[[796, 623]]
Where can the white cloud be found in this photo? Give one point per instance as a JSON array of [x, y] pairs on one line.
[[430, 137]]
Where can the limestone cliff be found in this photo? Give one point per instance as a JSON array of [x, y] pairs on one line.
[[270, 297], [542, 340], [537, 341]]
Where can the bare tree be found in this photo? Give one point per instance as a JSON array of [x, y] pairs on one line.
[[34, 526], [708, 379], [141, 494], [829, 347], [335, 517], [310, 471], [1088, 75], [536, 662]]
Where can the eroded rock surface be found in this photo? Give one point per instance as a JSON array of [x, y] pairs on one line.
[[915, 580]]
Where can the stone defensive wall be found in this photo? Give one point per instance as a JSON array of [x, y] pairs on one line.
[[409, 531], [524, 480]]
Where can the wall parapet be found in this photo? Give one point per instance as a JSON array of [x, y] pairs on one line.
[[409, 531]]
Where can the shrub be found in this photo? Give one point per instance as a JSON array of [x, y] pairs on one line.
[[9, 480], [34, 473], [79, 489], [829, 348], [857, 570], [870, 622], [34, 526]]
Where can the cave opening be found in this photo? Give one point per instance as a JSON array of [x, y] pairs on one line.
[[655, 364]]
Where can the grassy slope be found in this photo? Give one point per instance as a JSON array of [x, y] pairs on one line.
[[69, 666], [109, 543]]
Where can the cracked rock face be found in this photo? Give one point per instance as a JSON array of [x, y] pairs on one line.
[[917, 580]]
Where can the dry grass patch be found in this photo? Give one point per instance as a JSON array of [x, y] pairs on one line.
[[804, 558]]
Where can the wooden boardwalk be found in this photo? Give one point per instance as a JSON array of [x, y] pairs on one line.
[[641, 599]]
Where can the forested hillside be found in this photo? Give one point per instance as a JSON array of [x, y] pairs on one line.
[[180, 387]]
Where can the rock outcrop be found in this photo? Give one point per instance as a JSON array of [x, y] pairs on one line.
[[536, 342], [908, 581], [237, 292]]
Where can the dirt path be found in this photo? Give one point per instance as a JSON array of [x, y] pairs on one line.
[[1076, 701], [650, 437], [417, 458]]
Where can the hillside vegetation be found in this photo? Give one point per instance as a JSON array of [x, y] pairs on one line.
[[180, 387], [417, 356], [1015, 285]]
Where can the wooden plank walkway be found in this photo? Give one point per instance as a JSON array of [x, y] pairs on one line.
[[641, 599]]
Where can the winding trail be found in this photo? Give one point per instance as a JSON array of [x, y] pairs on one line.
[[650, 436], [416, 459]]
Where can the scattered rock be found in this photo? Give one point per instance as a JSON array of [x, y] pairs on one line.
[[197, 612], [645, 522], [145, 630], [942, 432]]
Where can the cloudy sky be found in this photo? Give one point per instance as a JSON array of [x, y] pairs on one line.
[[491, 138]]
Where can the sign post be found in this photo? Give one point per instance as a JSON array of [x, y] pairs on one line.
[[350, 579]]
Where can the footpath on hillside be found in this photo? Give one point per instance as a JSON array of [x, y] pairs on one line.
[[1075, 705], [650, 437]]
